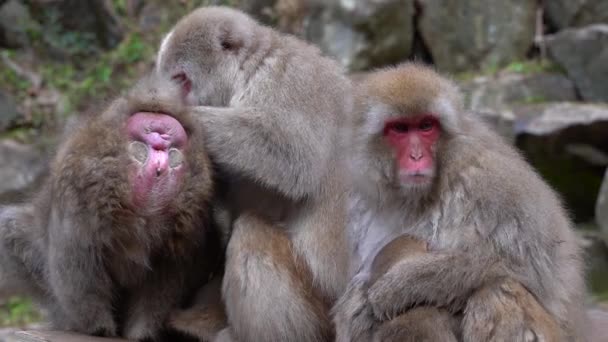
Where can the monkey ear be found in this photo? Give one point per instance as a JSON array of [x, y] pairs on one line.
[[230, 39]]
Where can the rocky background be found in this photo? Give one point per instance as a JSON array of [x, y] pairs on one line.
[[537, 70]]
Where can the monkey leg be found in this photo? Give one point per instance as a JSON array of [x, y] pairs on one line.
[[418, 325], [505, 311], [207, 317], [268, 293], [79, 283], [149, 306]]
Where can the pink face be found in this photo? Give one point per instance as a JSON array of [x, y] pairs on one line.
[[156, 145], [414, 141]]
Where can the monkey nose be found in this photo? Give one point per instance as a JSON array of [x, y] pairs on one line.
[[416, 155]]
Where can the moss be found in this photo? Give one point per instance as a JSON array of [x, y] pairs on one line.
[[18, 311], [10, 80], [532, 67]]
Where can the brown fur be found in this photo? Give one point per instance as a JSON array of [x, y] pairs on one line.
[[487, 216], [270, 106], [94, 261], [400, 248]]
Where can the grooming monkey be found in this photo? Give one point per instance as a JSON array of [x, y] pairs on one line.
[[270, 106], [446, 221], [120, 233]]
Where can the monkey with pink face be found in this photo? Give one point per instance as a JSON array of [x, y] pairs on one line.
[[450, 229], [120, 235]]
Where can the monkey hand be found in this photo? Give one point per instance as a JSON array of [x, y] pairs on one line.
[[505, 310], [353, 317]]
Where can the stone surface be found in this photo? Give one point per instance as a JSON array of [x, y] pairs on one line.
[[601, 207], [77, 27], [546, 118], [567, 143], [22, 166], [477, 34], [598, 329], [583, 53], [8, 111], [15, 20], [572, 13], [507, 89], [54, 336], [362, 34]]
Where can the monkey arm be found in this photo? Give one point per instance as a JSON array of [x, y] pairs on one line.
[[284, 153], [438, 279], [352, 315]]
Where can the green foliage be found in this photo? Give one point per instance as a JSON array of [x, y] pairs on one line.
[[120, 6], [132, 50], [10, 80], [73, 42], [532, 67], [97, 78], [18, 311]]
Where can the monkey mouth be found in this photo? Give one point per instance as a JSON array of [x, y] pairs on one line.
[[419, 177]]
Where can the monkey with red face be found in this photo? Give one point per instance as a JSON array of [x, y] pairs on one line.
[[447, 220], [120, 233]]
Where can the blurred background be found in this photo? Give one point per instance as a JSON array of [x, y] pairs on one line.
[[537, 70]]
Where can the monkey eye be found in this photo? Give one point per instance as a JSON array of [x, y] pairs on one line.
[[398, 127], [426, 125]]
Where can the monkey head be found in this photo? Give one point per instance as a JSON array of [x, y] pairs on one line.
[[405, 120], [205, 53], [143, 154]]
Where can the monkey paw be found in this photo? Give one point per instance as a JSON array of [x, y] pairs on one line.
[[505, 310], [383, 300]]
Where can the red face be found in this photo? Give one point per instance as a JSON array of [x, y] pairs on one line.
[[414, 141]]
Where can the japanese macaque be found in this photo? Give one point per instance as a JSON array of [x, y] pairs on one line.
[[449, 224], [120, 233], [270, 106]]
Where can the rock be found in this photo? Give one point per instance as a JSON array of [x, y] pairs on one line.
[[598, 329], [78, 27], [508, 89], [567, 144], [466, 35], [596, 257], [547, 118], [56, 336], [583, 53], [15, 20], [362, 34], [601, 207], [262, 10], [8, 111], [574, 13], [149, 16], [21, 167]]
